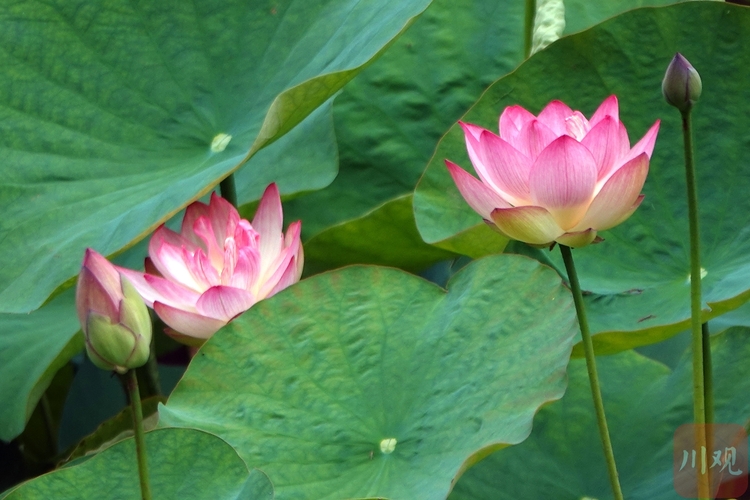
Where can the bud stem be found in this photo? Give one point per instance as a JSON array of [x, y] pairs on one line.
[[140, 442], [228, 190], [698, 344], [528, 27], [596, 392]]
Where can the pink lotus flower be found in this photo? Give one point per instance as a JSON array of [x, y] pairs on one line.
[[218, 266], [557, 177], [115, 322]]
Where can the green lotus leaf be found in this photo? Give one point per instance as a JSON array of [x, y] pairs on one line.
[[116, 115], [637, 280], [645, 403], [183, 463], [370, 382], [32, 348], [391, 116]]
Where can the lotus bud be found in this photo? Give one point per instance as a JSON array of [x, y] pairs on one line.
[[682, 84], [114, 318]]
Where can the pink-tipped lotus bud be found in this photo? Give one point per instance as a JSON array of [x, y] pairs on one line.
[[113, 316], [682, 84]]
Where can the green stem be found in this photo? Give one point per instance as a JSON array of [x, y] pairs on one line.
[[228, 190], [528, 27], [708, 391], [708, 378], [596, 392], [140, 442], [148, 374], [699, 400], [48, 423]]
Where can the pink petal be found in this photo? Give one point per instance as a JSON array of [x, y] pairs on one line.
[[165, 250], [224, 302], [214, 248], [479, 197], [245, 235], [646, 144], [247, 270], [534, 137], [293, 240], [604, 141], [138, 280], [512, 121], [617, 196], [157, 289], [187, 322], [533, 225], [472, 133], [105, 273], [554, 116], [577, 126], [504, 169], [289, 277], [202, 269], [230, 260], [179, 265], [268, 221], [472, 130], [193, 212], [170, 293], [608, 108], [224, 217], [577, 239], [563, 179], [91, 295], [276, 270], [287, 267]]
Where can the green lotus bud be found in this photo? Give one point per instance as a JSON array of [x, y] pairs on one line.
[[114, 318], [682, 84]]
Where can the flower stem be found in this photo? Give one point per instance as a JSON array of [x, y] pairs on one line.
[[699, 394], [528, 27], [708, 379], [228, 190], [148, 374], [140, 443], [596, 393]]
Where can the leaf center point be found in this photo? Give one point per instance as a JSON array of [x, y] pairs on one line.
[[220, 142], [388, 445]]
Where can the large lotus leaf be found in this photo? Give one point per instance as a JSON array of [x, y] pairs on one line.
[[645, 403], [390, 118], [304, 159], [314, 384], [112, 112], [388, 236], [582, 14], [182, 463], [637, 278], [32, 348]]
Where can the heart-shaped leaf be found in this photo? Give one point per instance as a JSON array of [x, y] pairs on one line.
[[32, 348], [370, 382], [645, 403], [182, 463], [638, 278], [116, 115]]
